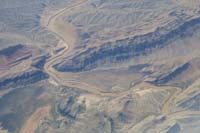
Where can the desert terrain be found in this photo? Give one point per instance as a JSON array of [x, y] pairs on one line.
[[100, 66]]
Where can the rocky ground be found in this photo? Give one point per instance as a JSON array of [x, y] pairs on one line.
[[99, 66]]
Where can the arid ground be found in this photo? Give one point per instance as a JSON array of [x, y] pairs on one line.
[[100, 66]]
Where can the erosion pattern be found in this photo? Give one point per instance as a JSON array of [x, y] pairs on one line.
[[100, 66]]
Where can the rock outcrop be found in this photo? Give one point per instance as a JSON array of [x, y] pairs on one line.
[[126, 49]]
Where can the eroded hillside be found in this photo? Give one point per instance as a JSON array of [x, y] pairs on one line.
[[99, 66]]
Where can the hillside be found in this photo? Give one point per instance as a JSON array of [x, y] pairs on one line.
[[99, 66]]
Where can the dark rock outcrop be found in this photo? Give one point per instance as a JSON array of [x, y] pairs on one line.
[[70, 108], [23, 78], [192, 103], [174, 129], [170, 76], [181, 76], [125, 49], [11, 50], [39, 62]]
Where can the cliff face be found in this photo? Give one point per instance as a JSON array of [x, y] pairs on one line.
[[19, 66], [27, 77], [126, 49]]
